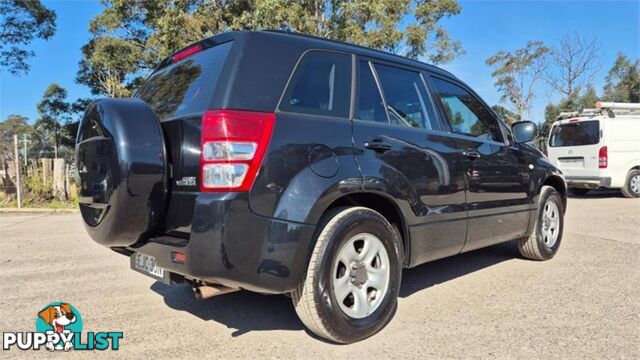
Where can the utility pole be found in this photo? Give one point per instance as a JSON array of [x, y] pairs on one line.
[[17, 161], [25, 142]]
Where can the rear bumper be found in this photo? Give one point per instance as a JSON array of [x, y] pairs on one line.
[[232, 246], [588, 182]]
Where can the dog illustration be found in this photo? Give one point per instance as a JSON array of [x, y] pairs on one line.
[[58, 317]]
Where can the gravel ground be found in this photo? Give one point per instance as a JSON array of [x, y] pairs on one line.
[[488, 303]]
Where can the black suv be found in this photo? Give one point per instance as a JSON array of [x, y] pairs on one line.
[[286, 164]]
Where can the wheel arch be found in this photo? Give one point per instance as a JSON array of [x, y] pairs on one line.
[[559, 184], [385, 206]]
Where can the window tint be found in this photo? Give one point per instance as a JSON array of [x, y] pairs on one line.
[[407, 101], [465, 113], [185, 87], [321, 85], [370, 105], [575, 134]]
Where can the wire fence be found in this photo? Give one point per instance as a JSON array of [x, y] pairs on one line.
[[37, 182]]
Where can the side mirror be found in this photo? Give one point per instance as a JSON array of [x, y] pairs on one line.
[[524, 131]]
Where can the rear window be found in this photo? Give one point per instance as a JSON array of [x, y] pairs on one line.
[[575, 134], [321, 85], [185, 87]]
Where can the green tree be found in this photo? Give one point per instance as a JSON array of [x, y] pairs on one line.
[[12, 125], [507, 115], [622, 83], [70, 128], [22, 21], [576, 102], [517, 73], [130, 37], [588, 98], [54, 111]]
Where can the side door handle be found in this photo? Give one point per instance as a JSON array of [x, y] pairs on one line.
[[472, 154], [377, 145]]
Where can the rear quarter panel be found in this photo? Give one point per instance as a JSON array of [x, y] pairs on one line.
[[309, 165]]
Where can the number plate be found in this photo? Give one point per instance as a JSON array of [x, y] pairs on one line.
[[146, 264]]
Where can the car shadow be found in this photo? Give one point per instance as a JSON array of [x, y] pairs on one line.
[[598, 194], [443, 270], [245, 311]]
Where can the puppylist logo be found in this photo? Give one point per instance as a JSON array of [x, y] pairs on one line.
[[59, 327]]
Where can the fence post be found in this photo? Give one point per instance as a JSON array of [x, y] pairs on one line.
[[17, 161], [58, 179]]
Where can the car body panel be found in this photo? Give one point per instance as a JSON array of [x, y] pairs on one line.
[[261, 240]]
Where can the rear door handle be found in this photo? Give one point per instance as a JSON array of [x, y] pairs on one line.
[[377, 145], [471, 154]]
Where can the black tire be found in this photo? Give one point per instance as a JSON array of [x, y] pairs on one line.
[[315, 301], [579, 191], [627, 189], [534, 246]]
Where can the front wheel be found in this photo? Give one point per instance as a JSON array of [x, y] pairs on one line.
[[353, 279], [631, 188], [545, 240]]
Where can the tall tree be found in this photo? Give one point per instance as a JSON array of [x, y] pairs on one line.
[[130, 37], [507, 115], [622, 83], [54, 111], [517, 73], [22, 21], [574, 63], [12, 125]]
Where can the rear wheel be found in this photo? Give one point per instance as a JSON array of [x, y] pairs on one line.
[[631, 188], [353, 278], [545, 240], [579, 191]]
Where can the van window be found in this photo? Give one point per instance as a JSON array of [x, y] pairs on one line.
[[370, 105], [407, 100], [575, 134], [465, 113], [321, 85], [187, 86]]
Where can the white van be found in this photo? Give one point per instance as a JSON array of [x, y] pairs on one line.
[[598, 148]]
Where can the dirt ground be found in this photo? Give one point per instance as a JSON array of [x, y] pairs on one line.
[[585, 303]]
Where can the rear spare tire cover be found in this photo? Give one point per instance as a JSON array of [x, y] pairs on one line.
[[122, 171]]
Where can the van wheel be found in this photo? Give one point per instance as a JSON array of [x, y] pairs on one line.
[[545, 240], [631, 188], [579, 191], [353, 279]]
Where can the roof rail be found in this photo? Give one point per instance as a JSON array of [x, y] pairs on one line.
[[617, 105], [582, 112], [611, 109]]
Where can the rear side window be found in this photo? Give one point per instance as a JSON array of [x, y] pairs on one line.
[[370, 104], [465, 113], [187, 86], [575, 134], [321, 85], [407, 100]]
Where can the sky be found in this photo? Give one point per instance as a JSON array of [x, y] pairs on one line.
[[484, 27]]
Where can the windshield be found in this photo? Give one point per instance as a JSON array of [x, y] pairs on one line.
[[187, 86], [575, 134]]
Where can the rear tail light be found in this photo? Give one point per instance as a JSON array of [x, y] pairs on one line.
[[603, 158], [233, 145]]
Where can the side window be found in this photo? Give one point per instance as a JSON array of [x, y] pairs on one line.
[[465, 113], [321, 85], [370, 105], [407, 100]]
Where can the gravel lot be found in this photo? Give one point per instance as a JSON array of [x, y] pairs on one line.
[[585, 303]]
